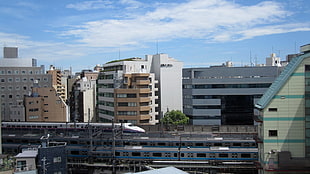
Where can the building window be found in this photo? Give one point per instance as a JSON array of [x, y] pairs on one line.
[[272, 109], [33, 117], [2, 80], [273, 133], [57, 159]]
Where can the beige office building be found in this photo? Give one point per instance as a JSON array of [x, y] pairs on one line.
[[45, 105]]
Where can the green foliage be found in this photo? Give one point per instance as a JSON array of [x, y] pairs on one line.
[[175, 117]]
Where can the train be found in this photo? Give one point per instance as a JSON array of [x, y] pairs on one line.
[[139, 153], [125, 127]]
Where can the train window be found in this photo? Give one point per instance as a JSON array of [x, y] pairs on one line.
[[117, 154], [198, 144], [223, 155], [226, 144], [212, 155], [246, 144], [245, 155], [161, 144], [175, 155], [237, 144], [49, 126], [201, 155], [24, 141], [156, 154], [136, 154], [73, 142], [146, 154], [143, 143], [190, 155], [74, 152], [182, 154], [217, 144]]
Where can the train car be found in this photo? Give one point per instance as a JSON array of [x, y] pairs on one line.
[[187, 154], [138, 153], [190, 142], [125, 127]]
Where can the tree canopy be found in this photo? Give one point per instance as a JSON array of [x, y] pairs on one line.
[[175, 117]]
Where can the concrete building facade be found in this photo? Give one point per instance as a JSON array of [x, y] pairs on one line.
[[17, 77], [57, 82], [224, 95], [83, 97], [139, 90], [284, 116], [45, 105]]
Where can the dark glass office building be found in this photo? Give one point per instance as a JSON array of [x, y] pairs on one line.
[[224, 95]]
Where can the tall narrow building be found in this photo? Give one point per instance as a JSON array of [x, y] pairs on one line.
[[139, 90]]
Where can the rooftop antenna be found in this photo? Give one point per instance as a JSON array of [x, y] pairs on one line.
[[251, 64], [157, 46], [119, 53]]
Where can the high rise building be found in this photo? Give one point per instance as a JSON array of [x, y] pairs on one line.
[[284, 116], [225, 95], [83, 97], [17, 77], [139, 90], [57, 82]]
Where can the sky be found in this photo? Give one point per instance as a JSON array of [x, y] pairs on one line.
[[81, 34]]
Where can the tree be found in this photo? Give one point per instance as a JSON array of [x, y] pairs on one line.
[[175, 117]]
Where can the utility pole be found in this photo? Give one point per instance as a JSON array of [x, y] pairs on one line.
[[113, 148]]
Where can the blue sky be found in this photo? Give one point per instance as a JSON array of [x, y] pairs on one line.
[[200, 33]]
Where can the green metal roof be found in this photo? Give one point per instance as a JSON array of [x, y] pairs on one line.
[[280, 81]]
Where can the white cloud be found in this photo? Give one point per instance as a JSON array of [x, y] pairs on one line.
[[91, 5], [212, 20]]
